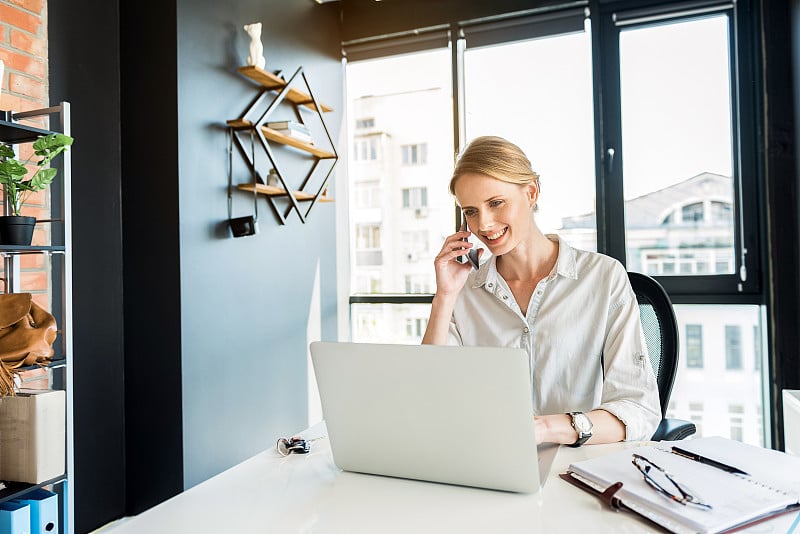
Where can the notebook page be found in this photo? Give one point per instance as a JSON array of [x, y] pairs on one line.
[[766, 466], [734, 498]]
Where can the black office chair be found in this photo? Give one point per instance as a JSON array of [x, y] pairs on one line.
[[661, 333]]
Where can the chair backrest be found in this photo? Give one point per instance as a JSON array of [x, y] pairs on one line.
[[660, 331]]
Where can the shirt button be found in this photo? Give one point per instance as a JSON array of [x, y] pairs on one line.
[[505, 297], [539, 292], [525, 330], [490, 285]]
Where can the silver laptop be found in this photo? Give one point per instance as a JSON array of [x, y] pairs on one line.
[[457, 415]]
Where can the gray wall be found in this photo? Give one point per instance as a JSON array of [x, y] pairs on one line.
[[189, 346], [246, 301]]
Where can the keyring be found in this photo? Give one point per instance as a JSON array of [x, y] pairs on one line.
[[293, 445]]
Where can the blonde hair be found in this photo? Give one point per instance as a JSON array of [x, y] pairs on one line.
[[497, 158]]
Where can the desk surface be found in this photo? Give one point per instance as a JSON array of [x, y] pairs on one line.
[[308, 493]]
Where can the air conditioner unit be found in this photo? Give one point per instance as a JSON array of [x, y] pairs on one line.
[[421, 212]]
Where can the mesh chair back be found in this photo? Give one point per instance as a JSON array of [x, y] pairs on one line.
[[660, 331]]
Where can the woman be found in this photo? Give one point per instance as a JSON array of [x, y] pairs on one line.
[[573, 311]]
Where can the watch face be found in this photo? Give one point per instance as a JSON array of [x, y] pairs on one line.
[[582, 423]]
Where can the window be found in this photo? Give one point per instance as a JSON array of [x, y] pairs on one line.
[[367, 194], [696, 416], [415, 327], [733, 347], [736, 412], [694, 346], [415, 154], [368, 243], [365, 123], [660, 62], [367, 282], [415, 246], [416, 283], [552, 75], [692, 213], [366, 149], [415, 197], [756, 348], [669, 191]]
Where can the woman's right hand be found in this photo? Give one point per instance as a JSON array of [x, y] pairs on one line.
[[450, 273]]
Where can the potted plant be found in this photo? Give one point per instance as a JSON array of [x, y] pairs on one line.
[[16, 229]]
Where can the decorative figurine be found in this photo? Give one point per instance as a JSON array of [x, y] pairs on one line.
[[256, 56]]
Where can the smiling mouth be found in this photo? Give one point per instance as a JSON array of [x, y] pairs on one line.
[[498, 235]]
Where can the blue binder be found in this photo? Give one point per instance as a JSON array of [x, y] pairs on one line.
[[44, 510], [15, 518]]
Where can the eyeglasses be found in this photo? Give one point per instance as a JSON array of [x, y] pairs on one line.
[[665, 484], [294, 445]]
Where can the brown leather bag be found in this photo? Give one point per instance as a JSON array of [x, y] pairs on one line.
[[27, 333]]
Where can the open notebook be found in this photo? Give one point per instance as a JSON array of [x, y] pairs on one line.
[[771, 487]]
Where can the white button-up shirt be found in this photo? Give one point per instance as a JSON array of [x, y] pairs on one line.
[[582, 332]]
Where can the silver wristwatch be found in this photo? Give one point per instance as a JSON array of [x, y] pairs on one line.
[[582, 425]]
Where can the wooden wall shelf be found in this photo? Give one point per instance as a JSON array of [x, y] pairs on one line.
[[270, 81], [272, 191]]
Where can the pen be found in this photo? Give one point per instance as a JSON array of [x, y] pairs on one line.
[[708, 461]]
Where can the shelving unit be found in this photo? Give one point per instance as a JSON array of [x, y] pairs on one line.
[[57, 251], [250, 127]]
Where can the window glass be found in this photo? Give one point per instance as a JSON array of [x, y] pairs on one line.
[[400, 108], [677, 155], [538, 94], [707, 393]]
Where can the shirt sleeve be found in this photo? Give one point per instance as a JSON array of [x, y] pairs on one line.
[[453, 335], [630, 391]]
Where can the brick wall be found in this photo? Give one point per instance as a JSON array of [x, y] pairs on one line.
[[23, 49]]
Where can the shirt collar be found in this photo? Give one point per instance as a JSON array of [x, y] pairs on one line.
[[566, 265]]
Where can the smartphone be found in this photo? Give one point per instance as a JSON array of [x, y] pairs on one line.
[[472, 255]]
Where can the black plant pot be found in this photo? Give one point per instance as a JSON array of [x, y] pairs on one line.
[[16, 230]]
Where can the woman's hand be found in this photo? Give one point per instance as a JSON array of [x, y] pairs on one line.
[[450, 273]]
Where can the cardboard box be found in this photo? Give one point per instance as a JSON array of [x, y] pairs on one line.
[[791, 420], [33, 436]]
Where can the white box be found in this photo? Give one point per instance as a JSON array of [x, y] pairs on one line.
[[33, 436], [791, 420]]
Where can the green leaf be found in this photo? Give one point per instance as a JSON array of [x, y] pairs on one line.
[[12, 169], [41, 179], [51, 142], [6, 151]]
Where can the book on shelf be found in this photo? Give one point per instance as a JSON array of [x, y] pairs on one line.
[[771, 486], [289, 125]]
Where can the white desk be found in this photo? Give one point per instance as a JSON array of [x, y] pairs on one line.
[[309, 494]]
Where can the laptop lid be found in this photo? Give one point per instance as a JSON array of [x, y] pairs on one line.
[[458, 415]]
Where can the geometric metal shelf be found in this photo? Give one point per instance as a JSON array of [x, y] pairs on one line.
[[251, 125]]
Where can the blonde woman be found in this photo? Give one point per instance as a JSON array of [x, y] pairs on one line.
[[573, 311]]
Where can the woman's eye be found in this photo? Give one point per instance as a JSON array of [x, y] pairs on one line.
[[469, 213], [495, 203]]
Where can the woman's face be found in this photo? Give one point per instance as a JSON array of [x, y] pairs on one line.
[[498, 212]]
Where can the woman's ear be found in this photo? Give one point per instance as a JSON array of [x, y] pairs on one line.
[[533, 194]]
